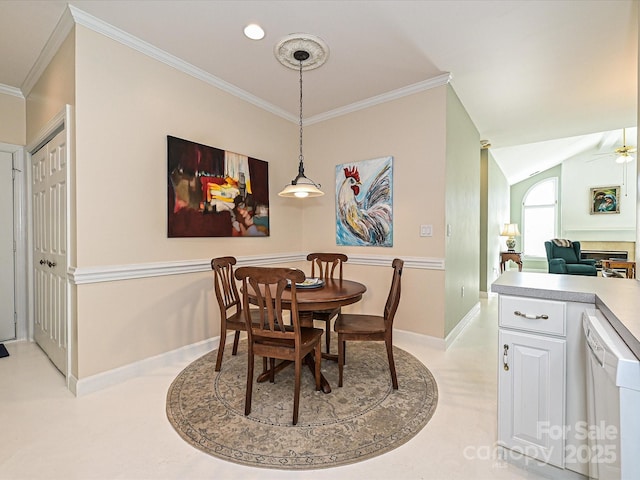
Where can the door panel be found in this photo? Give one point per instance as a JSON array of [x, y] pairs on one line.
[[49, 194], [531, 395], [7, 274]]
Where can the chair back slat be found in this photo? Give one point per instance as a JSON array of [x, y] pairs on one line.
[[393, 300], [267, 285], [224, 284], [326, 264]]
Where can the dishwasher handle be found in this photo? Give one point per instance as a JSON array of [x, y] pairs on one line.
[[597, 351]]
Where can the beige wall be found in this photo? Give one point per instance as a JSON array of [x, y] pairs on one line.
[[412, 130], [122, 155], [462, 208], [12, 119], [125, 106]]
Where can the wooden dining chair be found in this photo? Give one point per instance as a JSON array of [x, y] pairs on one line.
[[361, 327], [326, 264], [271, 337], [230, 304]]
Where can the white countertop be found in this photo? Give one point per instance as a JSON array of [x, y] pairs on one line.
[[617, 298]]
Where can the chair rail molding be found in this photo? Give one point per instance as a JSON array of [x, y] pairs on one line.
[[112, 273]]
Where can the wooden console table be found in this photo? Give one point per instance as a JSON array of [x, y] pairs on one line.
[[629, 267], [513, 256]]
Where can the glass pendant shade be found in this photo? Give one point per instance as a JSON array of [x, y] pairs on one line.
[[301, 190], [301, 186], [624, 158]]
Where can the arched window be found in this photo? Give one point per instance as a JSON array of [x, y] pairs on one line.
[[539, 216]]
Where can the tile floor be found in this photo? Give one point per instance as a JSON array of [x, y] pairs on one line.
[[122, 432]]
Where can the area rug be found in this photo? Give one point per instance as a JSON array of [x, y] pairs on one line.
[[360, 420]]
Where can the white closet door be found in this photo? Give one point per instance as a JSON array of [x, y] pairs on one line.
[[49, 194], [7, 286]]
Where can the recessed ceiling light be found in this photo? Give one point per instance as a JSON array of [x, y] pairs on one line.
[[254, 31]]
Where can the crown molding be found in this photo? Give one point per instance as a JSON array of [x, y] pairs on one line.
[[74, 15], [114, 33], [434, 82], [7, 90], [59, 34]]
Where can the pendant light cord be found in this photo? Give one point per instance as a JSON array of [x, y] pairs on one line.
[[301, 186], [301, 157]]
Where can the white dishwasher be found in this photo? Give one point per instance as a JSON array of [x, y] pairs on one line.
[[613, 402]]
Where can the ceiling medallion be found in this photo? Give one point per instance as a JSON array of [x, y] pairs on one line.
[[317, 49]]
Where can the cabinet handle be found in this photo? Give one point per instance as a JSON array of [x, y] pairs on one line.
[[51, 264], [530, 316], [505, 358], [42, 262]]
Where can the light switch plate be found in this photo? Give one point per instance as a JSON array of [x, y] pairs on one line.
[[426, 230]]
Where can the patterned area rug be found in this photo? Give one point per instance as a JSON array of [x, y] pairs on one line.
[[363, 419]]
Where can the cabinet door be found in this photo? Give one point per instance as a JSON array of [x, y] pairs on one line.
[[531, 395]]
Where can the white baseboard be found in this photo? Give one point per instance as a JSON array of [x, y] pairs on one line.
[[109, 378], [91, 384], [418, 339], [113, 377], [405, 336], [455, 333]]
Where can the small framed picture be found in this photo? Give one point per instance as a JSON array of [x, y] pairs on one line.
[[605, 200]]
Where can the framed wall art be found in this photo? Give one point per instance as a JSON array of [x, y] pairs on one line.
[[215, 193], [605, 200], [364, 203]]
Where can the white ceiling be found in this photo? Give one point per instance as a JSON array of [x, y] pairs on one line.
[[519, 162], [526, 71]]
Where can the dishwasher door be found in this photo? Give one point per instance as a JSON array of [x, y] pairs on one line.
[[609, 429]]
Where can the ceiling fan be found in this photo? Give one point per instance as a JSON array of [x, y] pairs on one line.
[[624, 153]]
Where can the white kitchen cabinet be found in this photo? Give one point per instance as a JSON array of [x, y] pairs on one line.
[[541, 380], [531, 395]]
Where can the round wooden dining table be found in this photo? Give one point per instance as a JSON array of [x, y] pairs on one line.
[[333, 294]]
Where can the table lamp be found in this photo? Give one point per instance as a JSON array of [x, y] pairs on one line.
[[510, 230]]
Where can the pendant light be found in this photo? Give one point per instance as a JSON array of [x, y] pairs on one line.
[[301, 49]]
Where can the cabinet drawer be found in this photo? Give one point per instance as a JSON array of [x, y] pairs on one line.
[[533, 315]]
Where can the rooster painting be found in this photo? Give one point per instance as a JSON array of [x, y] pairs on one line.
[[364, 203]]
